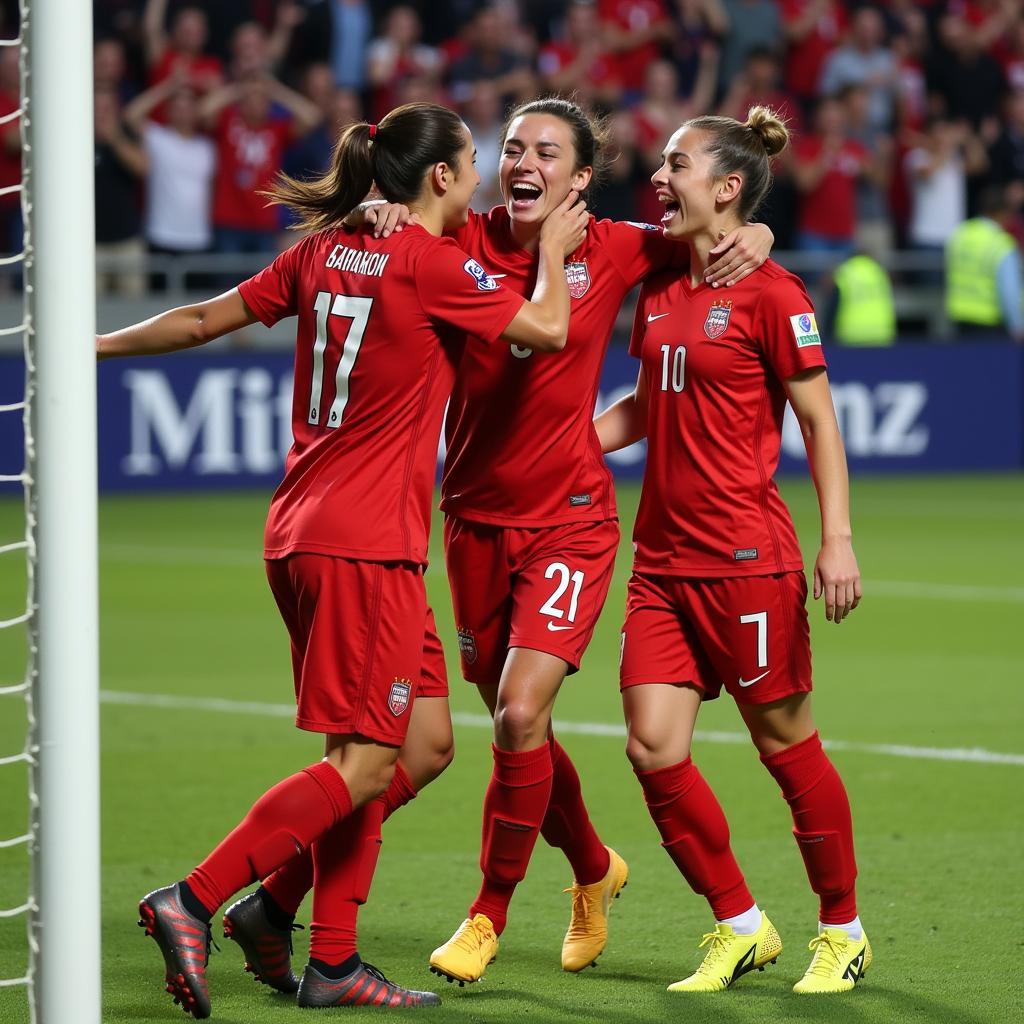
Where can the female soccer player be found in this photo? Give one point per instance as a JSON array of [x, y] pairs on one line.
[[531, 528], [379, 322], [717, 596]]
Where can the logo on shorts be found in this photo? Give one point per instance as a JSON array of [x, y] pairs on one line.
[[717, 321], [578, 499], [467, 646], [577, 277], [398, 698], [744, 554]]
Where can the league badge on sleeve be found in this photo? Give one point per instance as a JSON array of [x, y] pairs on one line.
[[577, 277], [805, 330], [398, 698], [717, 321], [484, 281]]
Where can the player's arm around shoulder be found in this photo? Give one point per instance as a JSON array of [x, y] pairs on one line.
[[542, 324], [180, 328]]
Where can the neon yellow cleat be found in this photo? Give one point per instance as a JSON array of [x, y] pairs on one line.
[[731, 956], [837, 965], [588, 927], [465, 956]]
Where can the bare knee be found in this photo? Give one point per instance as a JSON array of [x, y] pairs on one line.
[[519, 725], [650, 751], [436, 761]]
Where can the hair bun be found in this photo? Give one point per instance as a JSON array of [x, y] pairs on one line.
[[769, 128]]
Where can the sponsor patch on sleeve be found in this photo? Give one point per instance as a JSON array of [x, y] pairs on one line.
[[642, 226], [484, 281], [805, 330]]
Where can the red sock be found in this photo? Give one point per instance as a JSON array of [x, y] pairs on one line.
[[289, 884], [399, 793], [344, 860], [567, 826], [696, 835], [514, 807], [822, 823], [284, 821]]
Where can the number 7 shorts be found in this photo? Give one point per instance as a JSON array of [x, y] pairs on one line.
[[364, 644], [537, 588], [748, 633]]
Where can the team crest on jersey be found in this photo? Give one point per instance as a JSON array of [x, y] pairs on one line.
[[577, 277], [398, 698], [484, 281], [467, 645], [717, 321]]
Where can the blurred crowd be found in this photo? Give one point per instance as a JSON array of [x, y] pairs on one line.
[[903, 114]]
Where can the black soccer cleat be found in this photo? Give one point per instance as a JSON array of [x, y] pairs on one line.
[[268, 950], [365, 986], [184, 941]]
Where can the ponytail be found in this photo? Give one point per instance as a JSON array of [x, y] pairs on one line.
[[395, 155]]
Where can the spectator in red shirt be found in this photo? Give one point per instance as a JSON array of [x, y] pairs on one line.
[[579, 62], [395, 55], [251, 141], [813, 29], [759, 84], [826, 167], [183, 49], [638, 33]]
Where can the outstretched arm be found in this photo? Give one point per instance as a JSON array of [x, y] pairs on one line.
[[181, 328], [836, 574]]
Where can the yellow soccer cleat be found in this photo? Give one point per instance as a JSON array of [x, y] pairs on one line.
[[465, 956], [588, 927], [837, 965], [731, 956]]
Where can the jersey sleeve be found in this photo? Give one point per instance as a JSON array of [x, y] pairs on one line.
[[636, 337], [455, 289], [786, 329], [271, 294], [640, 249]]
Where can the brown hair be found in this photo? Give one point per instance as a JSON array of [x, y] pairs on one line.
[[745, 148], [405, 145], [590, 134]]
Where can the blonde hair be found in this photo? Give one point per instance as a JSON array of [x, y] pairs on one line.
[[745, 148]]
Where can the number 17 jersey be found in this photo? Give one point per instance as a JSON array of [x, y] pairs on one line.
[[381, 324]]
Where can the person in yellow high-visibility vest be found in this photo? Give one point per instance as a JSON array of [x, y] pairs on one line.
[[983, 272], [865, 313]]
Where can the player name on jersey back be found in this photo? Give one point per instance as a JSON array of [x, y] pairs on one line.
[[357, 261]]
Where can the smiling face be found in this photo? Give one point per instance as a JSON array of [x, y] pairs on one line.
[[538, 167], [691, 195]]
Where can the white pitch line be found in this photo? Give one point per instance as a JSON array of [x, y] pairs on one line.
[[236, 558], [172, 702]]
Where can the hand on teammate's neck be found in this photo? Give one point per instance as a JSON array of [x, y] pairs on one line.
[[703, 242]]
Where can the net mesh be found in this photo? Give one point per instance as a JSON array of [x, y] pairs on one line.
[[14, 690]]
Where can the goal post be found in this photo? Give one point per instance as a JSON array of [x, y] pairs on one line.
[[60, 295]]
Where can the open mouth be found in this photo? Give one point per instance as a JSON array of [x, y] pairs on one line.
[[524, 195], [671, 209]]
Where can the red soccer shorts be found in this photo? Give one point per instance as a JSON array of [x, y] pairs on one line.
[[434, 672], [358, 633], [748, 633], [538, 588]]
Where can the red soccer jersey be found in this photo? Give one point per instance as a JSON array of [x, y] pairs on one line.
[[381, 322], [522, 450], [248, 159], [714, 361], [830, 208]]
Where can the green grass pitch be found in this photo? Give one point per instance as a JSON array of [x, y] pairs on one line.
[[932, 659]]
